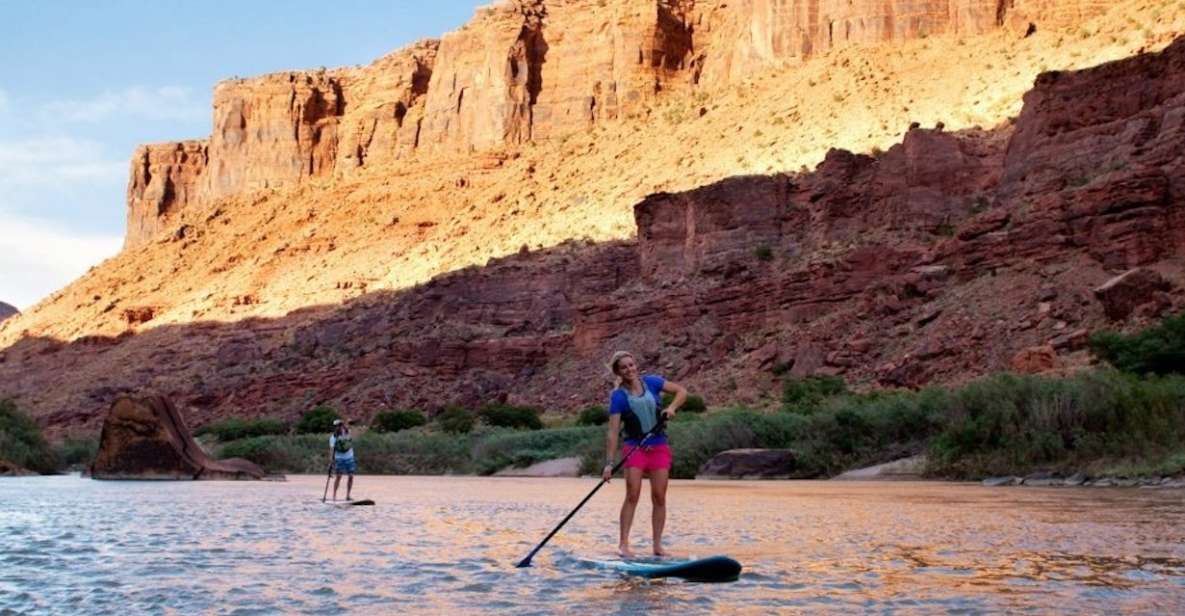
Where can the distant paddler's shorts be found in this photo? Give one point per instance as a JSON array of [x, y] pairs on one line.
[[649, 457], [347, 466]]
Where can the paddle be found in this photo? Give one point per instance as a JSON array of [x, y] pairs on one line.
[[328, 476], [526, 562]]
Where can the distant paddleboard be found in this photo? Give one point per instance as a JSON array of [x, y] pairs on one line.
[[353, 503], [712, 569]]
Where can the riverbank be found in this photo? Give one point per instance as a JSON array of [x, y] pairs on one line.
[[1101, 423], [1097, 424]]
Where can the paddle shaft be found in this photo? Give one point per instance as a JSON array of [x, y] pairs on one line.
[[526, 562], [328, 476]]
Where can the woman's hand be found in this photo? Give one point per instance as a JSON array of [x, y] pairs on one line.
[[680, 394], [607, 473]]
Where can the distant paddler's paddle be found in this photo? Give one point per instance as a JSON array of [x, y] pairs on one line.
[[328, 476], [526, 562]]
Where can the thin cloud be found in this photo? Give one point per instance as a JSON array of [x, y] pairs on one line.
[[162, 103], [47, 160], [37, 258]]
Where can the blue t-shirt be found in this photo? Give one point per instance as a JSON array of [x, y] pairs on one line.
[[621, 401]]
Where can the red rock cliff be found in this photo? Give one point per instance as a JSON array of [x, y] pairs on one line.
[[525, 70], [941, 259]]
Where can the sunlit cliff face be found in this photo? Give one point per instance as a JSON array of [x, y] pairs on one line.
[[399, 221]]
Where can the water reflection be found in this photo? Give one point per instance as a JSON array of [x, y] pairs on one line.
[[448, 545]]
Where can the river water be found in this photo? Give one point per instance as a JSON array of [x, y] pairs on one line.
[[448, 545]]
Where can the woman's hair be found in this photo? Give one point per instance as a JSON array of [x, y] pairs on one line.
[[613, 359]]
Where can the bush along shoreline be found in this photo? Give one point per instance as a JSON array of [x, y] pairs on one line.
[[1040, 430], [25, 451]]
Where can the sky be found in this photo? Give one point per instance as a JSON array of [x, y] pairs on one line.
[[83, 83]]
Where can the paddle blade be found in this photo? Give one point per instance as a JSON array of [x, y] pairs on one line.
[[526, 562]]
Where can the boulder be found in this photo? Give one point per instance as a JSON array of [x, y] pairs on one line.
[[560, 467], [904, 469], [1034, 360], [1124, 293], [146, 438], [1009, 480], [753, 464]]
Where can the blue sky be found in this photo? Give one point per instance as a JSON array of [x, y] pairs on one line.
[[82, 83]]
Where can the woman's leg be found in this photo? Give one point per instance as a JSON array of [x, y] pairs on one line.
[[633, 489], [658, 498], [337, 481]]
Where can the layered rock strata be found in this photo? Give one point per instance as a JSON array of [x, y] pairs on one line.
[[941, 259], [520, 71]]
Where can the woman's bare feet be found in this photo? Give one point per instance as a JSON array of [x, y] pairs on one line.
[[624, 551], [661, 551]]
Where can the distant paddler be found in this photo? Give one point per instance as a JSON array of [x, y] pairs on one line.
[[635, 410], [341, 456]]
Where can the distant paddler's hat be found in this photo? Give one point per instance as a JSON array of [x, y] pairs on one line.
[[337, 422]]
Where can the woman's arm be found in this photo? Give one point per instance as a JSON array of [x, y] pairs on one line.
[[670, 387], [611, 445]]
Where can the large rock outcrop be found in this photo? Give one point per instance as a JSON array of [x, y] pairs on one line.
[[7, 310], [163, 179], [146, 438], [520, 71]]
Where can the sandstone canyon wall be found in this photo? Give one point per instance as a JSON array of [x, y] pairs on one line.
[[948, 256], [522, 70]]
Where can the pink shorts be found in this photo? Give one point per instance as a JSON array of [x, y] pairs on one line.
[[649, 458]]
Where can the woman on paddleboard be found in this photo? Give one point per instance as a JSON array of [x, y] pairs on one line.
[[634, 411], [341, 456]]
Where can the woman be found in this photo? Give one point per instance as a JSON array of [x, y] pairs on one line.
[[341, 456], [635, 405]]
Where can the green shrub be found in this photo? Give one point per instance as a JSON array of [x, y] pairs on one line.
[[1156, 350], [804, 395], [693, 403], [76, 453], [302, 453], [520, 448], [414, 453], [235, 428], [1014, 424], [317, 421], [507, 416], [455, 420], [395, 421], [21, 442], [593, 416]]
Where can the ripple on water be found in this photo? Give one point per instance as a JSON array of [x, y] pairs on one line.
[[442, 545]]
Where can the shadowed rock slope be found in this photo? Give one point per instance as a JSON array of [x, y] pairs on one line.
[[949, 255]]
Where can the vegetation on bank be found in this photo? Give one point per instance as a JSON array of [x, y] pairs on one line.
[[1101, 421], [1126, 420], [23, 446]]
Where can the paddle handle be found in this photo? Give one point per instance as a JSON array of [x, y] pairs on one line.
[[526, 562]]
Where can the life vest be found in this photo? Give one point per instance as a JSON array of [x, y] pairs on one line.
[[342, 443], [634, 426]]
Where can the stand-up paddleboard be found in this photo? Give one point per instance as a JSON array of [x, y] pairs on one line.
[[352, 503], [712, 569]]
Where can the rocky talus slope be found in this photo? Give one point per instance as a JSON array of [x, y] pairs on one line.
[[297, 255]]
